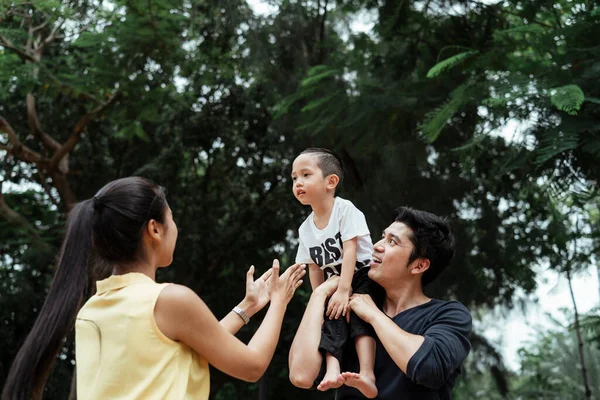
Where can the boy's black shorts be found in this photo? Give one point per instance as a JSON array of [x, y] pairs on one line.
[[336, 332]]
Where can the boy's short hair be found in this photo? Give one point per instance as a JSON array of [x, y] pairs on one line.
[[432, 239], [329, 163]]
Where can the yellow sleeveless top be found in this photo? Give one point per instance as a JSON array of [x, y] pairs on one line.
[[120, 352]]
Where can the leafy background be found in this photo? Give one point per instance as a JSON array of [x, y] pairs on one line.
[[213, 101]]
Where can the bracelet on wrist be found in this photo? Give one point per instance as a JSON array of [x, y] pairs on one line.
[[242, 314]]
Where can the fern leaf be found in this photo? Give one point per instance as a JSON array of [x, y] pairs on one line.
[[318, 102], [436, 120], [523, 30], [450, 62], [311, 80], [594, 100], [284, 105], [554, 142], [451, 47], [567, 98], [317, 69], [474, 142]]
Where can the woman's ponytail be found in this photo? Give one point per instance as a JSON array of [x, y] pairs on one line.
[[32, 366]]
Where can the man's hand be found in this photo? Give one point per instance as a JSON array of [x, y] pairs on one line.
[[363, 306], [338, 304]]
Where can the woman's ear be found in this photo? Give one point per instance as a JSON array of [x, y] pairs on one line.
[[153, 229]]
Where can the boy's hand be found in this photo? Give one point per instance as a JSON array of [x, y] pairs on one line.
[[338, 304]]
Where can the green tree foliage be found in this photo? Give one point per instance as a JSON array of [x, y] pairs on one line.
[[540, 68], [213, 102], [550, 367]]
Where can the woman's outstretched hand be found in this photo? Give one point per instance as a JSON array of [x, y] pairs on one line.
[[282, 288], [257, 291]]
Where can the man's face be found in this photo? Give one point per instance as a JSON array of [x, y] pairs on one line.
[[391, 255]]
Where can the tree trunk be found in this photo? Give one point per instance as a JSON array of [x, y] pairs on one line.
[[598, 275], [586, 382]]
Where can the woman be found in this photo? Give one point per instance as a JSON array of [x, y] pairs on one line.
[[137, 339]]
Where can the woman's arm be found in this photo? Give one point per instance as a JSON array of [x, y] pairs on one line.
[[182, 316], [257, 296]]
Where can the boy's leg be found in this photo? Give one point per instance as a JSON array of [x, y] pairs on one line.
[[364, 381], [334, 337], [363, 335], [331, 380]]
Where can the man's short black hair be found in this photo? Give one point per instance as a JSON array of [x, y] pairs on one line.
[[432, 239], [329, 163]]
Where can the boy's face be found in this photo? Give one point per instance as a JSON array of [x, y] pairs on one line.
[[309, 184]]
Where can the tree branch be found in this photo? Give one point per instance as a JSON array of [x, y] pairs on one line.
[[81, 96], [40, 26], [21, 53], [47, 189], [322, 34], [504, 10], [50, 37], [17, 148], [77, 130], [36, 129], [14, 218], [12, 136], [153, 22]]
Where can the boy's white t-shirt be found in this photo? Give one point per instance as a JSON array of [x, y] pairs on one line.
[[324, 246]]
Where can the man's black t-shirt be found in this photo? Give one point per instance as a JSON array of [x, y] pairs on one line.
[[432, 370]]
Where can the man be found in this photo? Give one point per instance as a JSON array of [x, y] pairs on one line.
[[421, 342]]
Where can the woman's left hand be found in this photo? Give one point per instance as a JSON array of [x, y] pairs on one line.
[[257, 291]]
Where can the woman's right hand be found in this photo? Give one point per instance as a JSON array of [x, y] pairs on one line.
[[282, 288]]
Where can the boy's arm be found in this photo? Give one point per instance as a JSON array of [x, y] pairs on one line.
[[348, 264], [338, 304], [316, 275]]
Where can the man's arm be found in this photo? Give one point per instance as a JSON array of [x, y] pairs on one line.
[[445, 347], [305, 359], [399, 344], [427, 360]]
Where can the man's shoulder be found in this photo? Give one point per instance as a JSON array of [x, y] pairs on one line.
[[450, 305], [450, 309]]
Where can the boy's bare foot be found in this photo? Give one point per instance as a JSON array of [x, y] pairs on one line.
[[332, 378], [330, 381], [366, 385]]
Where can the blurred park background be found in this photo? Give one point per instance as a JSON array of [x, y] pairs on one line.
[[486, 112]]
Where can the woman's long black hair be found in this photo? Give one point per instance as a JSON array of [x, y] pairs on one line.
[[109, 225]]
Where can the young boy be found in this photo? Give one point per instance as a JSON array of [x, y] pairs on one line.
[[335, 239]]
